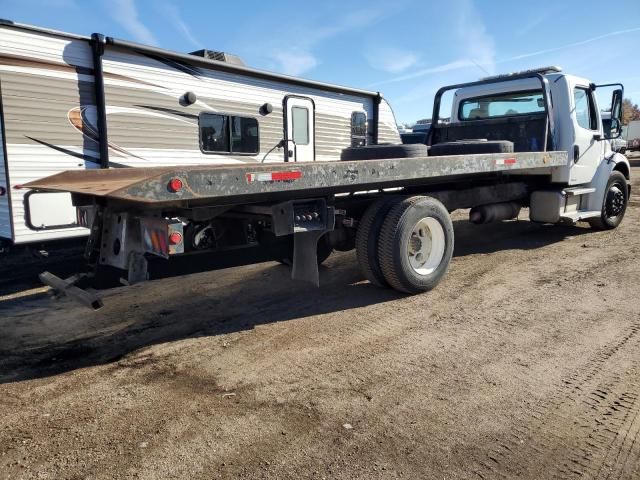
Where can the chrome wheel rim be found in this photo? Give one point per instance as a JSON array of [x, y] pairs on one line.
[[426, 245]]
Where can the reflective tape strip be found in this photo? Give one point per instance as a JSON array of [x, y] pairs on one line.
[[506, 161], [274, 176]]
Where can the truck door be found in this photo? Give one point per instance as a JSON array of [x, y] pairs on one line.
[[588, 145], [300, 129]]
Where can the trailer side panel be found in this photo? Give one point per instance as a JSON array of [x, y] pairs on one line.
[[44, 78], [6, 231], [150, 125]]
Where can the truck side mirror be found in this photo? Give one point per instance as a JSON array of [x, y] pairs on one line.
[[611, 128], [616, 113], [616, 131], [612, 117], [616, 105]]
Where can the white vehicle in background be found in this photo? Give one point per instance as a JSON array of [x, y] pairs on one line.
[[633, 135], [619, 145]]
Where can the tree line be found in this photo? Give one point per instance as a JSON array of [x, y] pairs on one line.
[[630, 111]]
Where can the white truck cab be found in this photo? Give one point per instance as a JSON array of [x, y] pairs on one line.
[[544, 110]]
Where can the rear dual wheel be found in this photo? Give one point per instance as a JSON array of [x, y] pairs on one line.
[[409, 243]]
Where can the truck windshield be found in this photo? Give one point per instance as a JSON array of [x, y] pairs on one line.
[[501, 105]]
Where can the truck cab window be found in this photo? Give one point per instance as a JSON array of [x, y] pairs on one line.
[[585, 108], [358, 129], [300, 125], [501, 105]]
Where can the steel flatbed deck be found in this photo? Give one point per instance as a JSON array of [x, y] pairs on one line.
[[250, 183]]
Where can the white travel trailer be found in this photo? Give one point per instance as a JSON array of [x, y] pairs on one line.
[[163, 108]]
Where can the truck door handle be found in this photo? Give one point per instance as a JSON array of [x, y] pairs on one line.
[[576, 153]]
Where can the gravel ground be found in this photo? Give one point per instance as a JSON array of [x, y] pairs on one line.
[[523, 363]]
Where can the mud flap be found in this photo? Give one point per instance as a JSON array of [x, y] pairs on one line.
[[305, 256], [137, 271]]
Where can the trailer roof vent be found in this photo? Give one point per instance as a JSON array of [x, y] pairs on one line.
[[219, 56], [542, 71]]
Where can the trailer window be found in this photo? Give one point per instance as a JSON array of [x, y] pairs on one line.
[[221, 133], [501, 105], [244, 135], [585, 108], [214, 132], [358, 129], [300, 125]]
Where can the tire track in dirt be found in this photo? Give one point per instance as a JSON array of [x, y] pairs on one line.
[[606, 403], [428, 382]]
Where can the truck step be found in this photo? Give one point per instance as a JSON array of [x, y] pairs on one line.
[[572, 217], [579, 191]]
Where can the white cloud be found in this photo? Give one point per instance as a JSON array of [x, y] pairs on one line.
[[542, 16], [59, 3], [446, 67], [125, 13], [472, 33], [483, 52], [571, 45], [469, 32], [173, 15], [294, 62], [293, 51], [391, 59]]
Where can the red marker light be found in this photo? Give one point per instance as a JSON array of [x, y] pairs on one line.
[[175, 185], [175, 238]]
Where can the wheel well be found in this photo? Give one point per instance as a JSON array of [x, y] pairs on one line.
[[622, 168]]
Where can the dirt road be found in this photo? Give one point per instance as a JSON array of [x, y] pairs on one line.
[[523, 363]]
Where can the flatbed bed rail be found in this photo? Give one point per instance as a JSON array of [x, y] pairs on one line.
[[227, 184]]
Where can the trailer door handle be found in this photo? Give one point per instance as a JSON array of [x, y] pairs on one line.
[[576, 153]]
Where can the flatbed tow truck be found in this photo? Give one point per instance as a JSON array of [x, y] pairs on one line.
[[147, 223]]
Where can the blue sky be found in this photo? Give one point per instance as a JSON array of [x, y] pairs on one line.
[[406, 49]]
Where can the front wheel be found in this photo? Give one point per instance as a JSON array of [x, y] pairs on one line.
[[614, 204], [416, 244]]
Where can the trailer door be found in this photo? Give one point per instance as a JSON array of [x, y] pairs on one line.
[[300, 129]]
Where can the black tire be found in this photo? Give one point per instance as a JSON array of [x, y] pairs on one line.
[[413, 138], [614, 204], [380, 152], [467, 147], [367, 239], [394, 241]]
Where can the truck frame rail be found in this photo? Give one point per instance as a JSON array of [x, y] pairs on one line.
[[248, 183]]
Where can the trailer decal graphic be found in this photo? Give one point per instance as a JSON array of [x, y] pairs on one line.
[[289, 176]]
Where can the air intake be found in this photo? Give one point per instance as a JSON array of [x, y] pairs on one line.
[[219, 56]]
